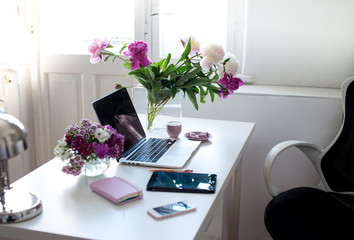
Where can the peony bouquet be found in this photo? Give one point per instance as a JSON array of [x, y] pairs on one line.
[[198, 71], [86, 142]]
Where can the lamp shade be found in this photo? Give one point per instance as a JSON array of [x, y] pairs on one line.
[[13, 136]]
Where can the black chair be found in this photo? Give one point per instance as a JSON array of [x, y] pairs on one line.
[[325, 211]]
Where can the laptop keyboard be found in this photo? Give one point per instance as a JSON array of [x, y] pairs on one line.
[[151, 150]]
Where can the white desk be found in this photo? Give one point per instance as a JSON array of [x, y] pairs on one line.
[[72, 211]]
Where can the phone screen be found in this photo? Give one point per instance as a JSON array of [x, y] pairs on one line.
[[172, 208]]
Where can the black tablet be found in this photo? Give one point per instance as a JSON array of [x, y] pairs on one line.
[[182, 182]]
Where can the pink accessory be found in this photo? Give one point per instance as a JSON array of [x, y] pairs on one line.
[[198, 136], [117, 190], [173, 129]]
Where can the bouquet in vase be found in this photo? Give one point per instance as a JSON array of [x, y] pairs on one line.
[[87, 142], [197, 73]]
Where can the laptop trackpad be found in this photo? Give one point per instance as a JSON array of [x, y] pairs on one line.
[[180, 151]]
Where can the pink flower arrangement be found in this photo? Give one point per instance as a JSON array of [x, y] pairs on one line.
[[198, 71], [85, 142]]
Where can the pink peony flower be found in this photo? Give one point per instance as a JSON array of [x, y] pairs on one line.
[[95, 48], [195, 46], [137, 51], [224, 92], [229, 84]]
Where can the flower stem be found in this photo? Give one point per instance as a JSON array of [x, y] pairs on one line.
[[154, 109]]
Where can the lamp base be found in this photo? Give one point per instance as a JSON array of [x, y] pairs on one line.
[[19, 206]]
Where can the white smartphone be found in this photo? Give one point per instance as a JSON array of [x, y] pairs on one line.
[[171, 209]]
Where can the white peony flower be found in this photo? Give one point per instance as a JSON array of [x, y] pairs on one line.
[[231, 66], [102, 135], [213, 53], [206, 65]]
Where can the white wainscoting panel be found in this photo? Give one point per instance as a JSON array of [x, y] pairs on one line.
[[65, 103]]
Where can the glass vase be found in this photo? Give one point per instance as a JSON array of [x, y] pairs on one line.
[[96, 166], [162, 110]]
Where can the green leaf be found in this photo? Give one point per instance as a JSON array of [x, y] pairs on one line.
[[187, 49], [156, 86], [151, 75], [143, 82], [203, 93], [226, 60], [196, 82], [170, 69], [173, 91], [122, 49], [188, 75], [160, 63], [167, 61], [127, 65], [181, 69], [192, 97]]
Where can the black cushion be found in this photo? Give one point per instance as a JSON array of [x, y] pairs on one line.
[[338, 162], [308, 213]]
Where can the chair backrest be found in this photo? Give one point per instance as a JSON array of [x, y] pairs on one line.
[[337, 162]]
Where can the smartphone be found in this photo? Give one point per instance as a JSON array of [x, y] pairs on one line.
[[171, 209]]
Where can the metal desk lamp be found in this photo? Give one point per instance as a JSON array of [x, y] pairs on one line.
[[16, 206]]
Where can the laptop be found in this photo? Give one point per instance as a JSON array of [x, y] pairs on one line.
[[117, 110]]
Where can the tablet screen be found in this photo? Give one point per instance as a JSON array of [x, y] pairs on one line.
[[182, 182]]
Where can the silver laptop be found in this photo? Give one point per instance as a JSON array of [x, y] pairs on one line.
[[117, 110]]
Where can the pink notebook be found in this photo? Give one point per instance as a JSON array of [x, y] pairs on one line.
[[117, 190]]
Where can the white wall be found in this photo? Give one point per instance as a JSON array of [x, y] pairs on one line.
[[278, 118], [299, 43]]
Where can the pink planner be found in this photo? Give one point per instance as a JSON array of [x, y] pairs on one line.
[[117, 190]]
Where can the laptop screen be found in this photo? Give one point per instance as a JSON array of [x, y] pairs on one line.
[[117, 110]]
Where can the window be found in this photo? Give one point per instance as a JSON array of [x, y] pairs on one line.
[[206, 20], [68, 26]]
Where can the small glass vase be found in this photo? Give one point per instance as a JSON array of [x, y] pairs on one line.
[[95, 167]]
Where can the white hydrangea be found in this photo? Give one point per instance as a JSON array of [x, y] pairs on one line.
[[102, 135]]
